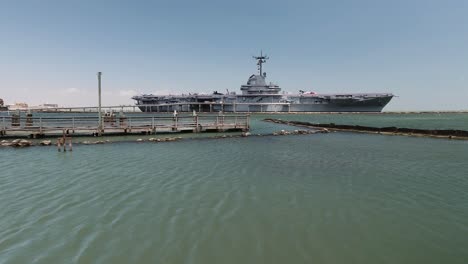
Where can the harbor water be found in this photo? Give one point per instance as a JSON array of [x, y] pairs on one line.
[[319, 198]]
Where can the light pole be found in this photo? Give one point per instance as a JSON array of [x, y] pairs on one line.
[[99, 74]]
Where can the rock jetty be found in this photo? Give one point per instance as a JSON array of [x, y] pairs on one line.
[[16, 143], [439, 133]]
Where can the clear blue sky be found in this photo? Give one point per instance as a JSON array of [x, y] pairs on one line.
[[50, 51]]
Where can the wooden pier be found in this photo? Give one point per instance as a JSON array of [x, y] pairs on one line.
[[38, 127]]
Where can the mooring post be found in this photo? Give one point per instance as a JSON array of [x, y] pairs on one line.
[[4, 127], [152, 124], [174, 120], [29, 119], [15, 119], [64, 141]]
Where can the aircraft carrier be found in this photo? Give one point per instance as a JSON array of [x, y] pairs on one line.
[[259, 96]]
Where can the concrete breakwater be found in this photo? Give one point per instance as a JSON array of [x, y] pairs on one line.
[[437, 133]]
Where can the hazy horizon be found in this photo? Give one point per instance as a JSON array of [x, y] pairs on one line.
[[52, 50]]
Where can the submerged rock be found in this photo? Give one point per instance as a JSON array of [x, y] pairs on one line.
[[45, 143], [245, 134], [19, 143]]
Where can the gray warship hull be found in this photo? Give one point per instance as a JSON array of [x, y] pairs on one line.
[[371, 103], [259, 96], [261, 109]]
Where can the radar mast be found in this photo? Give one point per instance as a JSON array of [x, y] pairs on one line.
[[260, 60]]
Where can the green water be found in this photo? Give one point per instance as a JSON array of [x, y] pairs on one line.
[[324, 198], [422, 121]]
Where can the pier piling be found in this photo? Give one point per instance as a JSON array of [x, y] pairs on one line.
[[29, 120], [15, 120]]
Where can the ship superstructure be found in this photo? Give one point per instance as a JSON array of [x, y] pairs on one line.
[[259, 96]]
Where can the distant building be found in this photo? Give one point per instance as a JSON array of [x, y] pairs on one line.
[[43, 106], [24, 106], [48, 105], [18, 106]]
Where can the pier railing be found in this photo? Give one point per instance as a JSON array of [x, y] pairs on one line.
[[187, 107], [121, 124]]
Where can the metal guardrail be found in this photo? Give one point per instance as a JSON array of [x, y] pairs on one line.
[[183, 107]]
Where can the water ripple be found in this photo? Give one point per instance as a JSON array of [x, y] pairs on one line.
[[335, 198]]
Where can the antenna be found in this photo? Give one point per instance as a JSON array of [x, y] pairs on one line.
[[260, 60]]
